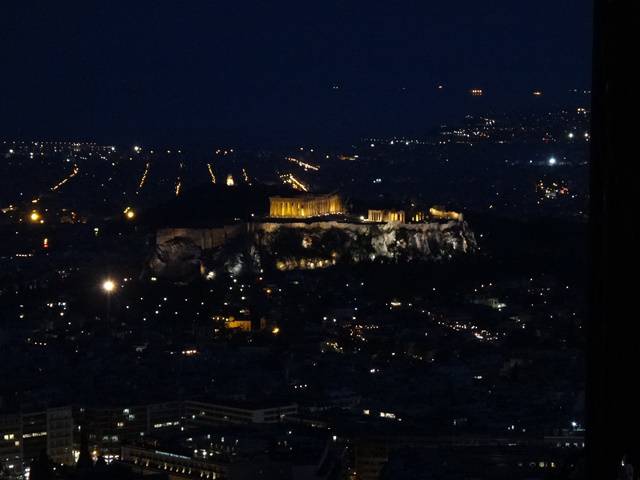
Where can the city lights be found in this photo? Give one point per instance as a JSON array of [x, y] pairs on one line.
[[423, 257]]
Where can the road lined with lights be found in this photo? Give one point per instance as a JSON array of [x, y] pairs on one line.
[[305, 165], [211, 174], [246, 176], [288, 178], [73, 173], [144, 177]]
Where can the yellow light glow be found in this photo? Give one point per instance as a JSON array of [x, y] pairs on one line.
[[275, 330], [108, 286], [211, 174], [35, 216], [129, 213]]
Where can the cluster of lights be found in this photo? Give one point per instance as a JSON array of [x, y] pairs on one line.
[[553, 190], [333, 346], [304, 263]]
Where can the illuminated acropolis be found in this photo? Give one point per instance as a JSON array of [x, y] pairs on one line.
[[305, 206], [441, 213], [386, 216]]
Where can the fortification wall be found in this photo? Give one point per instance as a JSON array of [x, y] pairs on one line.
[[355, 227], [205, 238]]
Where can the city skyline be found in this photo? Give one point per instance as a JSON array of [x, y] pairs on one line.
[[334, 241]]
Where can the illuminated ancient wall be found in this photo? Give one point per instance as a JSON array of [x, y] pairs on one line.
[[305, 206], [205, 238], [436, 212], [386, 216]]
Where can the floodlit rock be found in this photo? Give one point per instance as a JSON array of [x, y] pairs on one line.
[[314, 245], [361, 242]]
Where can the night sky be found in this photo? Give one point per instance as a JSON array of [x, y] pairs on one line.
[[210, 72]]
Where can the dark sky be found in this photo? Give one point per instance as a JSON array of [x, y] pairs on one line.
[[208, 71]]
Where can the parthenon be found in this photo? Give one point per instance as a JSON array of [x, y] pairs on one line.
[[305, 206]]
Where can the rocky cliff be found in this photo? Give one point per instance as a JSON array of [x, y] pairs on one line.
[[312, 245]]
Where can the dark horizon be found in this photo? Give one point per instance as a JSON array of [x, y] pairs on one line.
[[259, 74]]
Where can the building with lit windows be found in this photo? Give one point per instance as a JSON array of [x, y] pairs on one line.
[[201, 413], [23, 436], [178, 466]]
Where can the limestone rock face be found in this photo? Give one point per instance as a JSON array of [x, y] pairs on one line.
[[300, 245], [360, 242], [176, 259]]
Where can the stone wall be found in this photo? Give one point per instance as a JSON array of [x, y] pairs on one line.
[[205, 238]]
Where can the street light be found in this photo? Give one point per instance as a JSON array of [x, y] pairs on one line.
[[108, 286], [129, 213]]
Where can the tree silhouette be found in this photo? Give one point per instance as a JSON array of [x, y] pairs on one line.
[[41, 468]]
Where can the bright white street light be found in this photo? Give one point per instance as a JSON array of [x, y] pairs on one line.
[[108, 286]]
